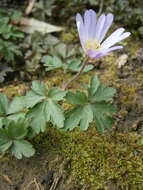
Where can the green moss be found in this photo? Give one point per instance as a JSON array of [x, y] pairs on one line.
[[14, 90], [128, 94], [99, 162]]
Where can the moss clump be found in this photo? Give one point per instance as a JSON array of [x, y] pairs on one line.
[[128, 95], [104, 161], [99, 161], [14, 90]]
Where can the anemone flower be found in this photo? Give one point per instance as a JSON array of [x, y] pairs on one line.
[[92, 32]]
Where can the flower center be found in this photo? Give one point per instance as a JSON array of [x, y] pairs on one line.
[[92, 44]]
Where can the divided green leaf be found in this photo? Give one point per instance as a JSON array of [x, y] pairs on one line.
[[100, 92], [75, 65], [3, 104], [44, 107], [79, 115], [36, 94], [22, 148], [12, 110], [94, 107], [77, 98], [102, 114], [11, 137], [56, 94], [51, 63], [39, 88], [17, 104]]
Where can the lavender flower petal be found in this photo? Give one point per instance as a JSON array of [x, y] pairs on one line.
[[87, 23], [113, 38], [92, 32], [107, 24], [124, 35], [99, 26], [111, 49], [92, 53], [97, 54], [80, 27], [93, 24]]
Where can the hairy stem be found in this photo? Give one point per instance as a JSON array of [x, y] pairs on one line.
[[65, 86]]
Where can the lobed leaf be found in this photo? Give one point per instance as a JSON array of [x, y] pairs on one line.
[[44, 112], [32, 98], [100, 92], [80, 115], [11, 137], [52, 63], [17, 104], [77, 98], [55, 113], [39, 88], [17, 130], [38, 117], [95, 107], [102, 113], [22, 148], [75, 65], [3, 104], [56, 94]]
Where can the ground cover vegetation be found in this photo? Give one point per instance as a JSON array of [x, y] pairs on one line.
[[87, 136]]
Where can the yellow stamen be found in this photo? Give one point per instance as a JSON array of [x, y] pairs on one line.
[[92, 44]]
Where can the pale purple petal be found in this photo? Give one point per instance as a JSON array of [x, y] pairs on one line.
[[120, 38], [99, 26], [87, 23], [79, 23], [112, 39], [111, 49], [80, 27], [98, 54], [91, 29], [95, 54], [124, 35], [107, 24], [93, 23], [91, 53]]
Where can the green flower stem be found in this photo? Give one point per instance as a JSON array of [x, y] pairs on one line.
[[66, 85]]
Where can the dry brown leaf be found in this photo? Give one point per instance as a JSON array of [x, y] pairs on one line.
[[30, 25]]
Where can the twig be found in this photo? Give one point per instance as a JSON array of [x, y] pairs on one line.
[[65, 86], [29, 184], [30, 7], [55, 183], [34, 181], [36, 184], [7, 179]]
